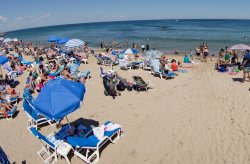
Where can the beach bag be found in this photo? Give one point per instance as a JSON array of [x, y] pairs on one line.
[[121, 86], [222, 69]]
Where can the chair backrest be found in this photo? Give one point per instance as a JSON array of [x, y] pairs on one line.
[[41, 137], [155, 64], [28, 106], [147, 62], [123, 63]]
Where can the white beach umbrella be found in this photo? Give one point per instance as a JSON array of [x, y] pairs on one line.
[[73, 43], [15, 40], [240, 47], [1, 39], [7, 40], [153, 54]]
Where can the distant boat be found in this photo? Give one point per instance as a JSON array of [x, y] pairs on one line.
[[177, 20], [2, 34]]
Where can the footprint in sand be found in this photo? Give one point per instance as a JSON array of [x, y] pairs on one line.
[[133, 153]]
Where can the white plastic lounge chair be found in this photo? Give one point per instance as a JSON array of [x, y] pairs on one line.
[[146, 64], [155, 65], [88, 148], [51, 147], [124, 65], [34, 120]]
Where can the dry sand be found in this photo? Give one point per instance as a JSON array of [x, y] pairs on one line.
[[200, 117]]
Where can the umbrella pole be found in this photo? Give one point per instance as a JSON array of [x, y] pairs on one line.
[[69, 125]]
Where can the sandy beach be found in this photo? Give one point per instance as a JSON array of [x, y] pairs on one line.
[[200, 117]]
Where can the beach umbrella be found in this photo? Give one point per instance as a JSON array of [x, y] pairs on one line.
[[74, 43], [3, 157], [1, 39], [7, 40], [3, 60], [130, 51], [240, 47], [53, 39], [58, 98], [62, 40], [152, 54], [15, 40]]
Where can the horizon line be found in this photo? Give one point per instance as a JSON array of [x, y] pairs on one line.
[[126, 21]]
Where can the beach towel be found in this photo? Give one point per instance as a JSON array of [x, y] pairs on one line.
[[112, 126], [98, 132]]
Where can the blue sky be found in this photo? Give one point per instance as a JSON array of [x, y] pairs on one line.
[[19, 14]]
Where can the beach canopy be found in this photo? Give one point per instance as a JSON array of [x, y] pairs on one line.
[[240, 47], [7, 40], [58, 98], [152, 54], [53, 39], [74, 43], [3, 60], [62, 40], [130, 51]]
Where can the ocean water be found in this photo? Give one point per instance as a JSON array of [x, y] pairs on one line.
[[182, 35]]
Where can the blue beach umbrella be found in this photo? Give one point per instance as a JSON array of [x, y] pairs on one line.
[[130, 51], [58, 98], [3, 157], [3, 60], [53, 39], [62, 40]]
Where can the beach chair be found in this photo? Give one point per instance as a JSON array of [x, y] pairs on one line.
[[10, 113], [155, 65], [140, 84], [124, 65], [34, 120], [88, 148], [51, 147], [146, 64]]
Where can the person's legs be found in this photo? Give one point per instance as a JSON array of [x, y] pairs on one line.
[[244, 77]]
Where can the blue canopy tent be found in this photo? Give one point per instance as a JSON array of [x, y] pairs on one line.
[[58, 98], [53, 39], [62, 40]]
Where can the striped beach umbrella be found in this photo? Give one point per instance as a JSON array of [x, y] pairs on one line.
[[73, 43], [240, 47]]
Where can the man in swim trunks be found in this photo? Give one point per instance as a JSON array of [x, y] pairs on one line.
[[246, 66]]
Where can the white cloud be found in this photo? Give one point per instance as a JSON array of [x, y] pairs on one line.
[[3, 19], [19, 18], [122, 16], [45, 16], [24, 18]]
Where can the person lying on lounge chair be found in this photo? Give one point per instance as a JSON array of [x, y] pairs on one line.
[[4, 105]]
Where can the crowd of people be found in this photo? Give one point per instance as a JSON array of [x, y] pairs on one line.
[[47, 63]]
